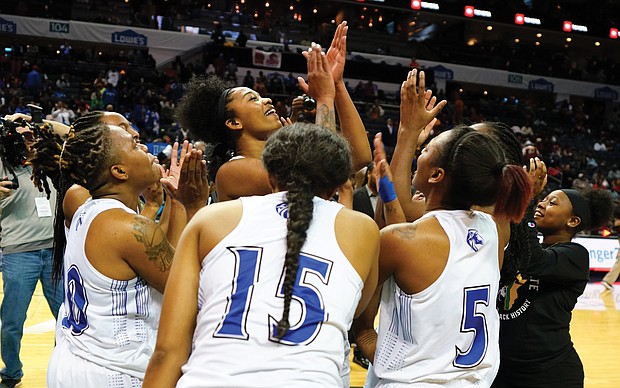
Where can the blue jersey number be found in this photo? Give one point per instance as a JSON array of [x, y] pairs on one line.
[[77, 302], [247, 265], [474, 322], [247, 268]]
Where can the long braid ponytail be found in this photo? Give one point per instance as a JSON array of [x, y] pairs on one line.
[[300, 207], [306, 160]]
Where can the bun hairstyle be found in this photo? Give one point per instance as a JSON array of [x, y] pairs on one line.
[[203, 111], [593, 206], [306, 160]]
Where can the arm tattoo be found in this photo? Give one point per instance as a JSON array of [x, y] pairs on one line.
[[155, 243], [326, 117], [405, 232]]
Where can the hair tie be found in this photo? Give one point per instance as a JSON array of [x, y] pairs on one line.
[[221, 107]]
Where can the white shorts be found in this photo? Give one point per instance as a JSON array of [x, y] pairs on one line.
[[67, 370]]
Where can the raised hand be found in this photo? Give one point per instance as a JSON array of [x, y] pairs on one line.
[[382, 173], [171, 177], [320, 82], [286, 121], [417, 107], [193, 190], [337, 52], [538, 175]]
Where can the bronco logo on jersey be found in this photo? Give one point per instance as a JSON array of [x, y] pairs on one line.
[[282, 210], [474, 240]]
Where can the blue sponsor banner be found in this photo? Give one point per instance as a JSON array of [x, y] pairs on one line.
[[442, 72], [541, 85], [156, 148], [129, 37], [606, 93], [7, 27]]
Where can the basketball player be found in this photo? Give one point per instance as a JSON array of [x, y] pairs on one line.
[[116, 262], [265, 288], [438, 325]]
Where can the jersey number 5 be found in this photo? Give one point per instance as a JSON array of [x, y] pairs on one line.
[[247, 268], [474, 322]]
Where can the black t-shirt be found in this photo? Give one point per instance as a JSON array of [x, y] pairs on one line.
[[535, 311]]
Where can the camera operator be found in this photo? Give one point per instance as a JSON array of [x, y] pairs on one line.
[[303, 109], [26, 220]]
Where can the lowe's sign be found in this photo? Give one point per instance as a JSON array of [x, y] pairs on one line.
[[7, 27], [129, 37]]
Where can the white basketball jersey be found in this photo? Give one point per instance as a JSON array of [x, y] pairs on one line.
[[240, 301], [112, 323], [447, 334]]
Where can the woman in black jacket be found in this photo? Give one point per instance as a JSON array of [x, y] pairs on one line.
[[536, 306]]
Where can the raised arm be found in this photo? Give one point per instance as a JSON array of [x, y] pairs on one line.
[[320, 86], [351, 125], [417, 110], [390, 208]]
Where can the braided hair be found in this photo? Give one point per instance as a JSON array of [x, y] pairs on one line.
[[198, 111], [305, 160], [78, 159]]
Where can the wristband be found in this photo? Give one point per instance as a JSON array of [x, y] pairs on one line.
[[386, 190]]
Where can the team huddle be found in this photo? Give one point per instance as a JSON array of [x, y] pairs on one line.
[[262, 288]]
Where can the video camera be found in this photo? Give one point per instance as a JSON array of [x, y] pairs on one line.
[[13, 151]]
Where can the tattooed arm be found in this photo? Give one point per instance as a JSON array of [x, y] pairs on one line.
[[326, 116], [320, 86], [148, 251]]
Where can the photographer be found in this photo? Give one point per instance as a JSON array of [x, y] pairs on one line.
[[26, 239], [303, 109]]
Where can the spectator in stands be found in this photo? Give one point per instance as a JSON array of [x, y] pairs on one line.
[[248, 80], [110, 96], [113, 76], [63, 114], [389, 135], [21, 107], [34, 81], [63, 82]]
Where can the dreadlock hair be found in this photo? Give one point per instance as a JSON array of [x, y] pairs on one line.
[[479, 174], [79, 159], [517, 255], [198, 112], [305, 160]]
